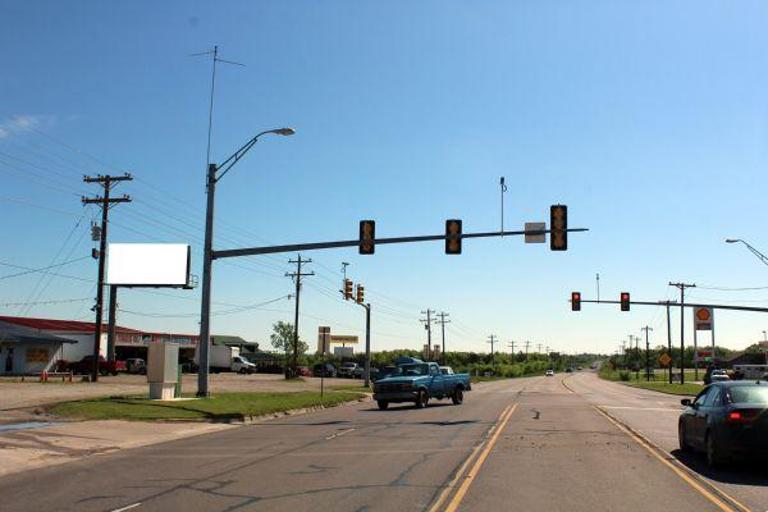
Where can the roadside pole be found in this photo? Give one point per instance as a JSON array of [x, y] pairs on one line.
[[669, 342], [368, 345], [695, 354]]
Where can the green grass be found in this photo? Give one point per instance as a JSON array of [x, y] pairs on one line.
[[222, 407], [666, 387], [659, 383]]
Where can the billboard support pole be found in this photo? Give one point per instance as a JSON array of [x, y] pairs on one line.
[[695, 353], [111, 326]]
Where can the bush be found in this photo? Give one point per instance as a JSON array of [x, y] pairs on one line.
[[624, 376]]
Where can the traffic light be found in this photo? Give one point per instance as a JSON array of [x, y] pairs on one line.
[[453, 236], [347, 289], [360, 294], [625, 301], [367, 237], [558, 225], [575, 301]]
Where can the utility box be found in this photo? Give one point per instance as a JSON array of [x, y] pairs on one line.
[[162, 370]]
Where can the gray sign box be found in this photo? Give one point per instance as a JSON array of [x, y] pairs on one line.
[[536, 238]]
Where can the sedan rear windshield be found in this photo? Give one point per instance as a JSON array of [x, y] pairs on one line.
[[749, 394]]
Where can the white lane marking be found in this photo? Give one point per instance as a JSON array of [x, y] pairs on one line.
[[127, 508], [339, 434], [662, 409]]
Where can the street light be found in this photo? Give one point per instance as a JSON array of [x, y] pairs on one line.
[[762, 257], [215, 173]]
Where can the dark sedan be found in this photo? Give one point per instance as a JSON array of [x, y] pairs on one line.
[[726, 420]]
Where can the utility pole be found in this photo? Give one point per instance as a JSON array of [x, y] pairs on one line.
[[428, 326], [511, 346], [111, 324], [538, 348], [527, 346], [105, 202], [669, 342], [297, 278], [492, 340], [647, 354], [442, 323], [682, 287]]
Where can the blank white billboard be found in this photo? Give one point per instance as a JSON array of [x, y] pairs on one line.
[[148, 265]]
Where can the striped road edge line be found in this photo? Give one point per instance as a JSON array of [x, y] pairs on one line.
[[721, 499], [460, 474]]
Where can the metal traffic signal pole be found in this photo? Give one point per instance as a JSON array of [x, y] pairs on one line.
[[682, 287]]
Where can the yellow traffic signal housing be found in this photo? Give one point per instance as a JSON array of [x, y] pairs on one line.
[[360, 294], [453, 236], [347, 289], [367, 237], [558, 225]]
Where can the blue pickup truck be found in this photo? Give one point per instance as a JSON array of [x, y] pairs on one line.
[[417, 382]]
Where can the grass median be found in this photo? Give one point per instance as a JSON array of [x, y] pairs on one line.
[[658, 382], [221, 407]]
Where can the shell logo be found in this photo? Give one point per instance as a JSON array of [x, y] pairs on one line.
[[703, 314]]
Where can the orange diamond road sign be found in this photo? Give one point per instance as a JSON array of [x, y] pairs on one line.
[[702, 319], [664, 360]]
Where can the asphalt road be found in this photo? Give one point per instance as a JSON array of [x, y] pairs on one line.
[[525, 444]]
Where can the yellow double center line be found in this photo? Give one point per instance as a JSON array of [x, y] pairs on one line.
[[466, 479]]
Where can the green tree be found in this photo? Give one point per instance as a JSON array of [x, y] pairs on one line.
[[282, 338]]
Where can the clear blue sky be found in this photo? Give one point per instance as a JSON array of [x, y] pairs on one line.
[[649, 119]]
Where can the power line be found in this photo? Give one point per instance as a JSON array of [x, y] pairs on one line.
[[41, 269]]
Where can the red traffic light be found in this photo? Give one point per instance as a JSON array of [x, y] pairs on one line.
[[575, 301], [625, 301], [347, 289]]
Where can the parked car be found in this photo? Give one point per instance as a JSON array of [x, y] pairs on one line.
[[418, 382], [447, 370], [348, 369], [550, 373], [324, 370], [136, 365], [726, 420], [718, 376], [85, 366], [569, 370], [304, 371]]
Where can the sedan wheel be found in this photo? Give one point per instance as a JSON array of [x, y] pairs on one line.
[[681, 437]]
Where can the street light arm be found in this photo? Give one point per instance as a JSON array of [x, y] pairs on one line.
[[762, 257], [240, 153]]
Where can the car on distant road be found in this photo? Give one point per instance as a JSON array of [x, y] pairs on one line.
[[726, 420], [550, 373], [324, 370], [348, 369], [418, 382], [569, 370]]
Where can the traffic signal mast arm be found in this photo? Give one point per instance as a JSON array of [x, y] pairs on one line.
[[687, 305], [232, 253]]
